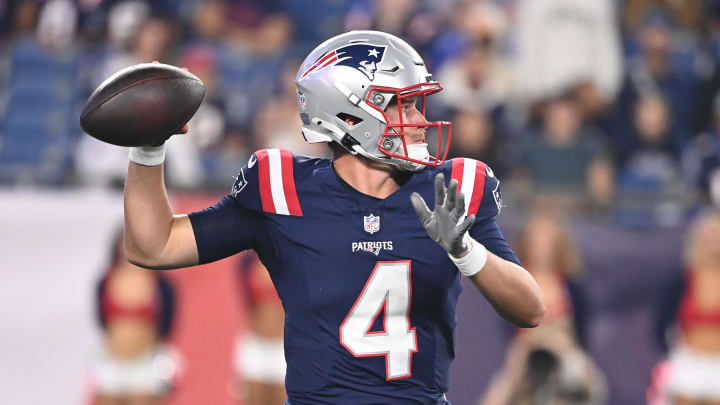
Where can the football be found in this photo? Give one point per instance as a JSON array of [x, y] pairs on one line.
[[142, 105]]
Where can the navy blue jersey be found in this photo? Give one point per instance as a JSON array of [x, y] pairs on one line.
[[369, 297]]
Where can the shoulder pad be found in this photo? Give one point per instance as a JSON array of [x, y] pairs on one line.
[[267, 183], [477, 182]]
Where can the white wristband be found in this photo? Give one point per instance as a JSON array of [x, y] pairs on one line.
[[147, 155], [474, 260]]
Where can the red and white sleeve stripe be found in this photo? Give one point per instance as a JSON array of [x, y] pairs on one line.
[[470, 175], [277, 183]]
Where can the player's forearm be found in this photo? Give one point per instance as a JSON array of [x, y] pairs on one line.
[[148, 216], [511, 290]]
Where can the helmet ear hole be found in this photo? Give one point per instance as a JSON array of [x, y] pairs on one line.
[[351, 120], [393, 101]]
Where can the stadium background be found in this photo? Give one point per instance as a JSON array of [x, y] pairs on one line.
[[628, 88]]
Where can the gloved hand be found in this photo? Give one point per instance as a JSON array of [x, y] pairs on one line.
[[442, 224]]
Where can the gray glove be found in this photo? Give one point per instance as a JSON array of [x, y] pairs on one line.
[[442, 224]]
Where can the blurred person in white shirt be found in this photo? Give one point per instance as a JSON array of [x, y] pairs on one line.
[[561, 43]]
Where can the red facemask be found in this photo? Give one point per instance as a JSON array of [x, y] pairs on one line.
[[397, 130]]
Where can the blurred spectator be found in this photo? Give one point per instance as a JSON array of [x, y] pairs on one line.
[[477, 86], [475, 136], [185, 166], [391, 16], [565, 163], [135, 37], [224, 160], [278, 124], [57, 23], [411, 20], [469, 24], [688, 12], [649, 176], [21, 17], [208, 23], [477, 80], [708, 70], [548, 251], [259, 354], [251, 53], [313, 22], [652, 155], [701, 162], [688, 318], [135, 307], [662, 64], [239, 48], [547, 365], [561, 43], [258, 26]]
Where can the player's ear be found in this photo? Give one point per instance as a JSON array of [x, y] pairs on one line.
[[393, 102]]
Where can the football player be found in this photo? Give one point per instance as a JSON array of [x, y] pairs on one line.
[[368, 274]]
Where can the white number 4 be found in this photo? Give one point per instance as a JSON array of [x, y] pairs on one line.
[[388, 287]]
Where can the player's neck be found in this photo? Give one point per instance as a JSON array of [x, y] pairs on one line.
[[366, 176]]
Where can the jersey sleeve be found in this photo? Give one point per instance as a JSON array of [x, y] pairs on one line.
[[264, 186], [224, 229], [477, 182], [267, 183], [483, 198]]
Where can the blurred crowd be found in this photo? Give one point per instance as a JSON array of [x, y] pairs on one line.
[[602, 107]]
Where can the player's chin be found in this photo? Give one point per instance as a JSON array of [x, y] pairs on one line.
[[415, 138]]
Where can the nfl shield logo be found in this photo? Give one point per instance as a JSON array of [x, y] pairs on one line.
[[371, 223]]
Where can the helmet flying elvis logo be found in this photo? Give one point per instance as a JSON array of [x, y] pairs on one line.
[[363, 57]]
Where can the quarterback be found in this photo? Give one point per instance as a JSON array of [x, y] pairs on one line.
[[366, 250]]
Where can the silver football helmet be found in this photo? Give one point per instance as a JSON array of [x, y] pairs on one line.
[[357, 75]]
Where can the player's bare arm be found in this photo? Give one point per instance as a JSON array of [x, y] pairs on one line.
[[511, 290], [154, 237], [508, 287]]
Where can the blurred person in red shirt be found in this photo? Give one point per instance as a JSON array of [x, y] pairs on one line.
[[135, 365], [259, 353], [688, 322]]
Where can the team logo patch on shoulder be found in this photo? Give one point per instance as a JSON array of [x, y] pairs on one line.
[[363, 57], [497, 196], [239, 184], [371, 223]]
